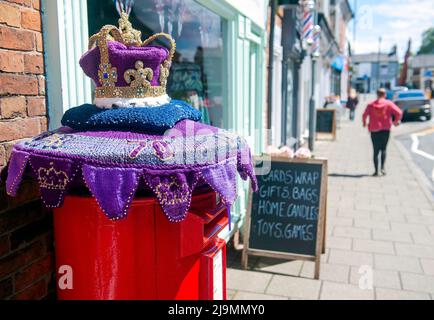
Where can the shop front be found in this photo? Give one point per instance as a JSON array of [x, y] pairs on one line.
[[286, 61], [218, 67]]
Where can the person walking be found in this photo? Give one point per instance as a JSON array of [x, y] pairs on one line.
[[352, 102], [381, 113]]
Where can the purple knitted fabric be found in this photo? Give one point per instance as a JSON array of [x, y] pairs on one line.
[[113, 164], [124, 58]]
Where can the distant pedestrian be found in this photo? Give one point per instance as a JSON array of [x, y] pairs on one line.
[[389, 91], [352, 102], [380, 113], [429, 92]]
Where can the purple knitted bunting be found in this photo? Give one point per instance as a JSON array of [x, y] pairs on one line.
[[113, 188], [113, 163], [173, 191], [54, 176], [17, 166], [222, 178]]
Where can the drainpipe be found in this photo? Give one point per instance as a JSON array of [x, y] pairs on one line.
[[273, 6], [296, 100], [312, 111], [285, 98]]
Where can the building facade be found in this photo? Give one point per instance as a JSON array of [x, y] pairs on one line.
[[421, 71], [295, 75], [374, 70], [333, 62]]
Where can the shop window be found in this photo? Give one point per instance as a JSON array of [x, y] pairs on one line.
[[199, 64], [335, 83]]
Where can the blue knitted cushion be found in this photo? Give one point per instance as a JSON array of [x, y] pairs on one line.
[[89, 117]]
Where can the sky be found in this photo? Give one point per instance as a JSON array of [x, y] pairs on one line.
[[394, 20]]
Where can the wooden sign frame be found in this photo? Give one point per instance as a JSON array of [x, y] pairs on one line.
[[320, 134], [321, 224]]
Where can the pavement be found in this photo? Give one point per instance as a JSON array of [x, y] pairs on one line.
[[380, 231]]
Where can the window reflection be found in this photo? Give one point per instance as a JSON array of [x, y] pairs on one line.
[[198, 66]]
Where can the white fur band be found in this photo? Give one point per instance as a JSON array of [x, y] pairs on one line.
[[107, 103]]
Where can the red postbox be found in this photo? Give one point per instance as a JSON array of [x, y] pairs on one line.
[[144, 255]]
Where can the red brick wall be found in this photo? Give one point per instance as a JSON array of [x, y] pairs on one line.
[[26, 250]]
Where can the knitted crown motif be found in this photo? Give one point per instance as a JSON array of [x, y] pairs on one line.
[[144, 80], [50, 178]]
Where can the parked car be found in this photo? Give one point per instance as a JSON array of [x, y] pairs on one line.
[[393, 93], [414, 104]]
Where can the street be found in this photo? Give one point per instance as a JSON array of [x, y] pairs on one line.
[[380, 230], [418, 140]]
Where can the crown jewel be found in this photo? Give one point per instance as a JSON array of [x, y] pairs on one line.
[[124, 66], [130, 35]]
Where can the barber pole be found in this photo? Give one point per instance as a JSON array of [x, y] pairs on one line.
[[124, 6], [316, 45], [307, 34], [308, 22]]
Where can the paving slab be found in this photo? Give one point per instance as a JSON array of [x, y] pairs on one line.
[[417, 282], [391, 294], [397, 263], [428, 266], [331, 272], [242, 295], [247, 280], [380, 278], [373, 246], [291, 268], [351, 258], [339, 291], [294, 287]]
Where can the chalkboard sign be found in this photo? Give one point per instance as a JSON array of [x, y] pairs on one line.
[[286, 215], [326, 121]]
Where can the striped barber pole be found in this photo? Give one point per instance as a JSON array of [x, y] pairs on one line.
[[316, 45], [124, 6], [307, 34]]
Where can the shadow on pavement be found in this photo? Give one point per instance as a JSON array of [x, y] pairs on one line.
[[354, 176]]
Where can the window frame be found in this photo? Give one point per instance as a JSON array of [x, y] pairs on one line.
[[67, 39]]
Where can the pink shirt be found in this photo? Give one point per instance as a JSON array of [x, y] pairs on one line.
[[380, 114]]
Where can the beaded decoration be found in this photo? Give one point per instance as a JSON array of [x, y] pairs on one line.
[[140, 147], [50, 178], [163, 150], [142, 76], [179, 193]]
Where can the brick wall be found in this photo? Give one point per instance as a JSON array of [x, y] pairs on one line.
[[26, 245]]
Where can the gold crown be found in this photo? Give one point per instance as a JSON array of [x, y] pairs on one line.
[[138, 80], [52, 179]]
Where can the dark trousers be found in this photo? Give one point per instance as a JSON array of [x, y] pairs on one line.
[[352, 114], [379, 141]]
